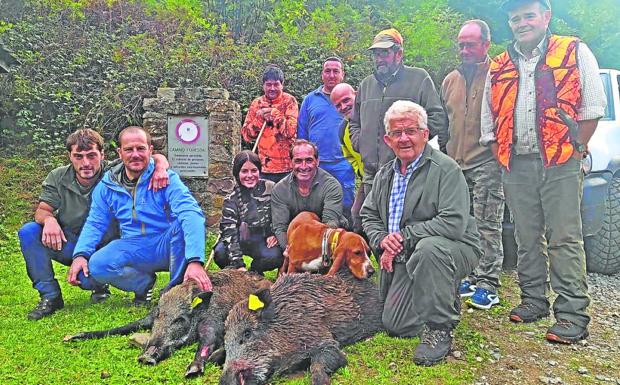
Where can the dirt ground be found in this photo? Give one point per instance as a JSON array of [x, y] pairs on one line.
[[519, 353]]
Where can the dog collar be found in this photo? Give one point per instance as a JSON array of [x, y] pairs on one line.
[[334, 240], [327, 247]]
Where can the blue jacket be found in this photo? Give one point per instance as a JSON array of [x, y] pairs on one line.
[[144, 214], [319, 122]]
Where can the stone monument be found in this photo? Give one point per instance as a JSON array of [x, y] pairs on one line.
[[198, 130]]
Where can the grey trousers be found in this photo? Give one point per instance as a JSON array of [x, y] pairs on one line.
[[424, 290], [545, 205], [487, 206]]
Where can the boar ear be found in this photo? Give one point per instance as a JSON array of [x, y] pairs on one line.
[[266, 312], [264, 295], [201, 300]]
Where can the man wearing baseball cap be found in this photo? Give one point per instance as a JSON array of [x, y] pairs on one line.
[[391, 81], [538, 128]]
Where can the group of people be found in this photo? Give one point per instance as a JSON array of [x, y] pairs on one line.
[[512, 129]]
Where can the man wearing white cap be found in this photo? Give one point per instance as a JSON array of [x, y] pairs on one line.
[[391, 81]]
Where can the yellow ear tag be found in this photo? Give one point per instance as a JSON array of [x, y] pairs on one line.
[[197, 301], [254, 303]]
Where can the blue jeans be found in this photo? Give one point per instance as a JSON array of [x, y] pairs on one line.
[[130, 264], [263, 258], [343, 172], [39, 259]]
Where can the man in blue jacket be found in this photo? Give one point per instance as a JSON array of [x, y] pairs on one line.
[[319, 122], [160, 231]]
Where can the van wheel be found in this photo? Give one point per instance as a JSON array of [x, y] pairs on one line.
[[603, 248]]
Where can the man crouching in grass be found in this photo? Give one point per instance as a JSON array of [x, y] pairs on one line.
[[60, 214], [160, 230]]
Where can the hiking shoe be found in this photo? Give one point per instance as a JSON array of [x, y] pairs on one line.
[[100, 294], [434, 346], [566, 332], [482, 299], [466, 289], [144, 299], [45, 307], [527, 312]]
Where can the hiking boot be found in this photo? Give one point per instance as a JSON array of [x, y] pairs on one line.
[[45, 307], [100, 294], [482, 299], [566, 332], [466, 289], [434, 346], [527, 312], [144, 299]]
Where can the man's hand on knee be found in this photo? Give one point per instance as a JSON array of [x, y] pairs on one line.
[[79, 264], [386, 260], [196, 272], [52, 235]]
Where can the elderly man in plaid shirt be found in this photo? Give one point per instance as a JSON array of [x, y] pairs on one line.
[[417, 219]]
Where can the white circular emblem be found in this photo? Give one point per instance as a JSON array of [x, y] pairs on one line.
[[188, 131]]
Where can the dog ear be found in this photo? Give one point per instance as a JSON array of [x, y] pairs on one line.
[[340, 255]]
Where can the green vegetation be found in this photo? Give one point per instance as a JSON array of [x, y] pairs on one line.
[[92, 62]]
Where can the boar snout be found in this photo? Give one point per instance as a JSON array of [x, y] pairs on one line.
[[151, 356]]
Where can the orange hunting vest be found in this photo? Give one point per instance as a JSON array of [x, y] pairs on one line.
[[558, 95]]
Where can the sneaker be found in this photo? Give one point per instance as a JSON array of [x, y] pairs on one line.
[[527, 312], [100, 294], [434, 346], [144, 299], [45, 307], [482, 299], [566, 332], [466, 289]]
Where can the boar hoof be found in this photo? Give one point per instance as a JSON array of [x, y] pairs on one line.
[[218, 357], [194, 369]]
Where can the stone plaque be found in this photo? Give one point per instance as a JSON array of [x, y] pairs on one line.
[[188, 145]]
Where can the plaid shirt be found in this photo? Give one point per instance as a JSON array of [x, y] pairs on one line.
[[397, 195]]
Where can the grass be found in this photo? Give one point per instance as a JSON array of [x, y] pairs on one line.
[[32, 352]]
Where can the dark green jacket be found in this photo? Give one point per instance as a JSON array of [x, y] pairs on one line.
[[373, 99], [436, 204]]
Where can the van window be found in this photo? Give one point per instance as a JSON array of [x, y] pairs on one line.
[[610, 113]]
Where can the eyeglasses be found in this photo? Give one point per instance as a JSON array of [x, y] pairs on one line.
[[381, 52], [408, 132]]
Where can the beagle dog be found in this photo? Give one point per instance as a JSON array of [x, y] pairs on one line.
[[312, 246]]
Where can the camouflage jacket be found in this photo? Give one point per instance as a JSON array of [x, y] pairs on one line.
[[252, 207]]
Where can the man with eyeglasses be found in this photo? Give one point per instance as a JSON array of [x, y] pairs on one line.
[[461, 94], [306, 188], [391, 81], [417, 220]]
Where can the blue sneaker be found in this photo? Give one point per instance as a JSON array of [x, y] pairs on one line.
[[482, 299], [466, 289]]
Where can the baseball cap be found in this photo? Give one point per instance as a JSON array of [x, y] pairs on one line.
[[386, 39], [509, 5]]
